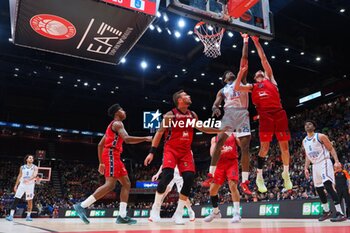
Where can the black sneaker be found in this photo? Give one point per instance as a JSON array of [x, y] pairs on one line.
[[326, 215], [126, 220], [339, 218]]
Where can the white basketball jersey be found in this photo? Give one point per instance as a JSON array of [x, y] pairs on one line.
[[235, 99], [315, 150], [27, 172]]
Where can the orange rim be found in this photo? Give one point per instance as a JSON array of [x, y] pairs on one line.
[[199, 24]]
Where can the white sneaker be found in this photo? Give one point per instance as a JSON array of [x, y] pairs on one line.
[[236, 218], [154, 215], [212, 216], [192, 215], [179, 220]]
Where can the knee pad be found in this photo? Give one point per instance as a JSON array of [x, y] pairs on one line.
[[167, 176], [329, 187], [188, 178]]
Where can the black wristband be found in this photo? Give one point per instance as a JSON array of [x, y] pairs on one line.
[[153, 150]]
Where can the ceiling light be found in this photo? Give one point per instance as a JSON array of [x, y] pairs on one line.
[[86, 84], [234, 46], [318, 58], [10, 40], [175, 76], [194, 80], [117, 87], [144, 65], [286, 49], [253, 51], [168, 30], [273, 57], [112, 92], [288, 61], [302, 53], [16, 75], [151, 26], [78, 80], [204, 108], [94, 88], [58, 82], [202, 74], [123, 60], [75, 85], [189, 32], [342, 10], [181, 23], [16, 69], [197, 39], [165, 17], [266, 43], [159, 14], [183, 70], [212, 84], [61, 77], [98, 84], [158, 67], [230, 34], [220, 78], [177, 34], [210, 28], [159, 29]]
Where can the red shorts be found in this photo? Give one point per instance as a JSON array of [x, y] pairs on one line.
[[114, 167], [182, 158], [226, 168], [271, 123]]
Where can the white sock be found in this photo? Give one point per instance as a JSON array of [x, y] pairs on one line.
[[28, 214], [12, 212], [88, 202], [158, 200], [235, 208], [338, 209], [259, 174], [325, 207], [212, 170], [286, 168], [216, 210], [122, 209], [245, 176], [180, 207]]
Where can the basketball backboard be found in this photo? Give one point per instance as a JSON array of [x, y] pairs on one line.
[[255, 21], [44, 173]]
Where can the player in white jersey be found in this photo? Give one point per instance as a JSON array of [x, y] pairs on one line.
[[236, 117], [25, 184], [178, 181], [318, 149]]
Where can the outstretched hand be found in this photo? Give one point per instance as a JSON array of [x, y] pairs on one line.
[[255, 39]]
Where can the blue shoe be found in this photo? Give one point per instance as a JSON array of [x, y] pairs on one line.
[[29, 219], [81, 213], [9, 218], [126, 220]]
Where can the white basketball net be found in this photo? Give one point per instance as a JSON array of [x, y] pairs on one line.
[[211, 38]]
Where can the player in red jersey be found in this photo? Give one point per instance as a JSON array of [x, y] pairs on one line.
[[272, 117], [227, 168], [111, 166], [177, 151]]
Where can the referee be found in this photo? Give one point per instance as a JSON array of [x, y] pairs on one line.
[[342, 184]]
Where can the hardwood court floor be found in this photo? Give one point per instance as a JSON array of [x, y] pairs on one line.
[[107, 225]]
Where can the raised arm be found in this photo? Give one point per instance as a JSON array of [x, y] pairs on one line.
[[264, 62], [207, 130], [325, 140], [238, 84], [118, 126], [244, 58], [218, 100]]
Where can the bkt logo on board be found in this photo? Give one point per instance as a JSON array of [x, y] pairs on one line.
[[269, 210], [314, 208]]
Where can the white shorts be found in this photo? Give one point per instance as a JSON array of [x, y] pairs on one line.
[[178, 181], [322, 171], [238, 121], [25, 188]]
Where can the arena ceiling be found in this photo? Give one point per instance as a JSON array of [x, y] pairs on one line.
[[310, 49]]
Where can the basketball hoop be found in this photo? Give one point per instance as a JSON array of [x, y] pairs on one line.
[[211, 37]]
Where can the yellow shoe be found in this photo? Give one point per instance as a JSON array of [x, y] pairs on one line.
[[287, 182], [261, 185]]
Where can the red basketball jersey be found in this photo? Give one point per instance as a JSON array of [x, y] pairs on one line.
[[265, 96], [180, 134], [229, 149], [113, 142]]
